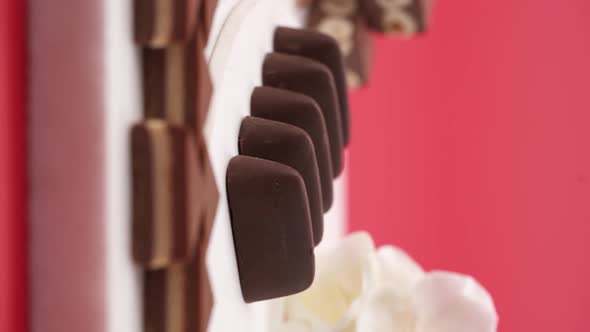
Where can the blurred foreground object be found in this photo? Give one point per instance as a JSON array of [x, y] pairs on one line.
[[347, 21], [361, 288]]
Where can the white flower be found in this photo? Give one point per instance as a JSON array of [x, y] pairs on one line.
[[358, 288]]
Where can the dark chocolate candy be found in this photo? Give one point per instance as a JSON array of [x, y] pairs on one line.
[[312, 78], [159, 23], [397, 17], [342, 21], [302, 111], [271, 227], [289, 145], [178, 297], [176, 84], [165, 222], [322, 48]]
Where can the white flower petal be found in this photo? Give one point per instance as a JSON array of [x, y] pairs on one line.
[[394, 266], [385, 311], [343, 263], [338, 281], [451, 302], [295, 326]]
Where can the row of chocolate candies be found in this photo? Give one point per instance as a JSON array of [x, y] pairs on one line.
[[285, 142], [177, 89]]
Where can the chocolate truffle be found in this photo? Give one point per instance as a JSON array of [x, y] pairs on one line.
[[302, 111], [291, 146], [164, 224], [271, 226], [312, 78], [176, 83], [159, 23], [322, 48]]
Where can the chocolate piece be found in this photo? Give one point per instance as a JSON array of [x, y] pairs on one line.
[[178, 298], [159, 23], [206, 193], [299, 110], [177, 86], [342, 21], [164, 221], [322, 48], [271, 228], [291, 146], [397, 17], [174, 193], [315, 80]]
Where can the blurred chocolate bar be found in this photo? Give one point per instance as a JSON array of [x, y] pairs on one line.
[[177, 86], [160, 23], [178, 298], [397, 17], [342, 20], [271, 227], [164, 226], [174, 194]]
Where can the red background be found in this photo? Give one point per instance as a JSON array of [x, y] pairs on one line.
[[12, 167], [471, 150]]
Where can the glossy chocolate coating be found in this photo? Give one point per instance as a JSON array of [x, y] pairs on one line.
[[322, 48], [302, 111], [289, 145], [312, 78], [271, 227], [160, 23]]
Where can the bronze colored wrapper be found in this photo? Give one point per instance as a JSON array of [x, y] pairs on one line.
[[342, 21], [160, 23]]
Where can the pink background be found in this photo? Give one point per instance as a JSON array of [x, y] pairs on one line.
[[471, 150]]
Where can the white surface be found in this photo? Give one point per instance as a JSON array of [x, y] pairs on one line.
[[241, 36], [123, 109]]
